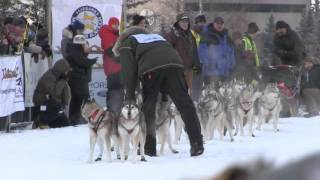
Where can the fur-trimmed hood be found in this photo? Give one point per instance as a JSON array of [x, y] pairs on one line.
[[124, 35]]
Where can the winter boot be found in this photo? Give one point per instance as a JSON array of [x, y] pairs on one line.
[[197, 148], [150, 147]]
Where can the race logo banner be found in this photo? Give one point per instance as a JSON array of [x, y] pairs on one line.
[[92, 13], [11, 85], [91, 18]]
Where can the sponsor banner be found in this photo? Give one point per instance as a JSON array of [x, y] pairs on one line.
[[11, 85], [92, 13], [33, 71], [98, 86]]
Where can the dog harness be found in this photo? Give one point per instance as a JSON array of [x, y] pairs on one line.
[[98, 122], [129, 131]]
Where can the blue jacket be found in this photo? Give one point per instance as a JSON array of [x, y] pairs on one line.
[[216, 52]]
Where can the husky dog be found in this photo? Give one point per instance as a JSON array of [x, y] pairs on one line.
[[131, 126], [230, 94], [201, 107], [163, 122], [214, 108], [178, 122], [100, 128], [269, 106], [245, 109]]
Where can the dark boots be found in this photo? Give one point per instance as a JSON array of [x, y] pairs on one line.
[[196, 148], [150, 148]]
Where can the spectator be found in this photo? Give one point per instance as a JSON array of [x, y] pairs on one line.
[[109, 34], [138, 20], [68, 33], [311, 86], [52, 95], [200, 22], [288, 46], [216, 52], [4, 42], [80, 75], [181, 38], [248, 62], [153, 60], [197, 81]]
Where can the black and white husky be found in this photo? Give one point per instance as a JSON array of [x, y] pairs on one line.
[[163, 123], [100, 123], [131, 128], [245, 109], [269, 106], [213, 108]]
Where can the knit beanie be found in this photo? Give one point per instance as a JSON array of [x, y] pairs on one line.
[[200, 18], [77, 25], [282, 24], [252, 28], [136, 19]]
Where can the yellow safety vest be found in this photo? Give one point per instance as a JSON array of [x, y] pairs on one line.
[[197, 37], [248, 46]]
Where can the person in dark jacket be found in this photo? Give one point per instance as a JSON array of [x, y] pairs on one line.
[[288, 46], [52, 95], [80, 75], [68, 33], [109, 34], [216, 52], [151, 59], [181, 38], [310, 86]]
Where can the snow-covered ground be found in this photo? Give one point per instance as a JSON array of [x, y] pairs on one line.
[[61, 154]]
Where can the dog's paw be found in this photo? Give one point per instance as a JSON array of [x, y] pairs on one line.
[[175, 151], [143, 159], [118, 157], [126, 157], [89, 161], [98, 159], [253, 135], [112, 149], [232, 140], [277, 130]]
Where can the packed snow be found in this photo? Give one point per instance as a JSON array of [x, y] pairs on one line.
[[61, 154]]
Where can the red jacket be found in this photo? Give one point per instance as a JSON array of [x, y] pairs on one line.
[[108, 39]]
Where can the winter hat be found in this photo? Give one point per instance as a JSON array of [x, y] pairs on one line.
[[113, 21], [200, 18], [252, 28], [282, 24], [218, 20], [77, 25], [182, 16], [136, 19]]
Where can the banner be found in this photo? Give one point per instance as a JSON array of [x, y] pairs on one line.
[[33, 71], [11, 85], [92, 13]]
